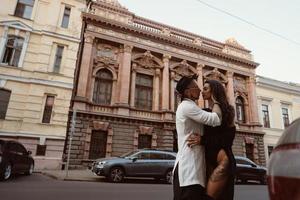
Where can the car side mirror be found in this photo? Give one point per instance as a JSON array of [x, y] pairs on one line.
[[252, 165], [134, 159], [29, 152]]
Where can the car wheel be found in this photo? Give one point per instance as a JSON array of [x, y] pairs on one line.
[[7, 172], [30, 170], [116, 175], [169, 176]]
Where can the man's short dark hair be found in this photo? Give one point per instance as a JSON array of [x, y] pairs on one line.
[[184, 82]]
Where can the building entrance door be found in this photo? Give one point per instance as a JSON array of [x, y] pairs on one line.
[[98, 144]]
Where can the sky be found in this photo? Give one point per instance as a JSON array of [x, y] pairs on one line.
[[278, 58]]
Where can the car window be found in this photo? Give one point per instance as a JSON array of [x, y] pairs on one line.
[[143, 155], [170, 157], [157, 156], [20, 149], [128, 154], [11, 147], [15, 147], [243, 162]]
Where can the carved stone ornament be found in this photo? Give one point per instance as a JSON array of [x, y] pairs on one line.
[[215, 75], [103, 61], [146, 130], [239, 85], [233, 42], [114, 3], [89, 38], [182, 69], [147, 61], [103, 126]]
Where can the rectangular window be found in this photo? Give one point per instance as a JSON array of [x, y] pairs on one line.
[[98, 144], [4, 99], [48, 109], [285, 117], [66, 17], [24, 8], [143, 91], [266, 118], [270, 149], [41, 150], [13, 50], [250, 151], [144, 141], [58, 58]]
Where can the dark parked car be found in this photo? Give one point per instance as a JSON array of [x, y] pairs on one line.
[[14, 158], [248, 170], [140, 163]]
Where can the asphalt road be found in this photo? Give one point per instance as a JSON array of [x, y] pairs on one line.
[[40, 187]]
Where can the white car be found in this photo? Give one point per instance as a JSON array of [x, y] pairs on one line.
[[284, 165]]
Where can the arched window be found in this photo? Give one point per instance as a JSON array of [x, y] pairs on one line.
[[240, 111], [103, 87]]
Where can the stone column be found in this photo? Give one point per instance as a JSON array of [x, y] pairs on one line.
[[132, 90], [24, 49], [165, 83], [124, 76], [200, 83], [252, 100], [3, 42], [156, 89], [85, 66], [172, 90], [230, 89]]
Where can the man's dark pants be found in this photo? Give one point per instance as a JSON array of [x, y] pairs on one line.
[[191, 192]]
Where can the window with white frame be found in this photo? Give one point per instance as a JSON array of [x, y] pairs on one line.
[[66, 17], [285, 117], [265, 115], [24, 8], [13, 50]]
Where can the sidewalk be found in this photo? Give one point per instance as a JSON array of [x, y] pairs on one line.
[[73, 175]]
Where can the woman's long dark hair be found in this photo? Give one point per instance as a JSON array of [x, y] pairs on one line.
[[218, 91]]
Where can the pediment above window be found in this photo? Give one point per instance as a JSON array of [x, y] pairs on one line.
[[147, 61], [17, 25], [182, 69], [215, 74]]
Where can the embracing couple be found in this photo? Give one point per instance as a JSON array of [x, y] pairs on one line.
[[205, 165]]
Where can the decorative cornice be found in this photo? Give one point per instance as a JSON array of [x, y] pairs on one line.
[[185, 44], [37, 81], [278, 85]]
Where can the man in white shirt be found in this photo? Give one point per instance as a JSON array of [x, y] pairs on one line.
[[190, 170]]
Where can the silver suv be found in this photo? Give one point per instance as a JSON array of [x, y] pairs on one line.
[[140, 163]]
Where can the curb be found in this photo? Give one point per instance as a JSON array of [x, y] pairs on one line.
[[70, 178], [51, 176]]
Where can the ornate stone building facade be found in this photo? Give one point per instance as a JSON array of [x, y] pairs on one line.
[[278, 105], [39, 41], [124, 86]]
